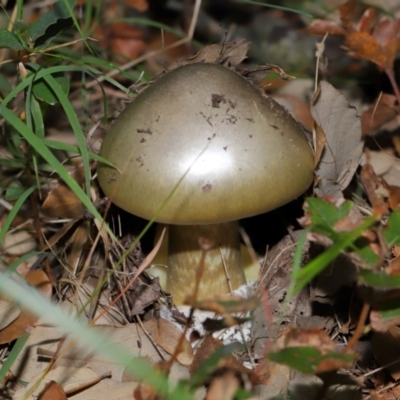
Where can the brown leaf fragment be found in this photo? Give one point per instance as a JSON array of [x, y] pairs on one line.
[[52, 391], [394, 195], [223, 387], [25, 321], [207, 348], [381, 112], [167, 336], [62, 202], [229, 54], [343, 148], [322, 27], [140, 5]]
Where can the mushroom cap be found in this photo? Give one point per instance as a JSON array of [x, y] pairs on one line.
[[206, 135]]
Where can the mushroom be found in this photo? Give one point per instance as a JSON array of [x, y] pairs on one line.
[[203, 148]]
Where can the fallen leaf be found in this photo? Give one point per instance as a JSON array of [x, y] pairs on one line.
[[107, 389], [381, 112], [25, 321], [140, 5], [9, 312], [19, 243], [52, 391], [223, 387], [72, 379], [228, 54], [343, 148], [62, 202], [167, 336], [43, 344]]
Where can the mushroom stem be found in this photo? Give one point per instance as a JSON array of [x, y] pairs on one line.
[[197, 253]]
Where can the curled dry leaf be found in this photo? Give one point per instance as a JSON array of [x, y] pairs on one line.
[[18, 243], [343, 148], [229, 54], [382, 114]]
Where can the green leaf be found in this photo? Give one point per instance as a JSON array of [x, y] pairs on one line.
[[379, 279], [44, 92], [325, 215], [9, 40], [51, 24], [14, 211], [392, 232], [15, 191], [308, 359], [13, 355], [4, 84]]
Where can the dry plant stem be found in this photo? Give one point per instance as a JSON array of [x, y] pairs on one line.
[[186, 252], [360, 326]]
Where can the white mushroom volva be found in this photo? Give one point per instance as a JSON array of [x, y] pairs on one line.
[[234, 151]]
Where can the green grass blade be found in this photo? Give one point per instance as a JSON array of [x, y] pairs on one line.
[[38, 145], [35, 303]]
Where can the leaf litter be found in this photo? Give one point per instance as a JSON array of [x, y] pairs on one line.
[[294, 330]]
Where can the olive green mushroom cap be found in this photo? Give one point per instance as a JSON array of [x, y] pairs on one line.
[[229, 151]]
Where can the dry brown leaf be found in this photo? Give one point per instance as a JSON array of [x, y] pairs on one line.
[[121, 39], [208, 347], [107, 389], [322, 27], [72, 379], [140, 5], [52, 391], [9, 312], [44, 342], [25, 321], [380, 113], [61, 202], [343, 148], [167, 336], [223, 387], [19, 243], [229, 54], [79, 239]]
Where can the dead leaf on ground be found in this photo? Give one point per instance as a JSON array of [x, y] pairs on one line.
[[229, 54], [43, 344], [223, 387], [382, 113], [140, 5], [9, 312], [52, 391], [167, 336], [207, 348], [62, 202], [71, 379], [343, 148], [19, 243], [26, 320]]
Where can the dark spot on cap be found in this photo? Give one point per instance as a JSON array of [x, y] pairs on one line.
[[216, 99], [148, 131], [206, 188]]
